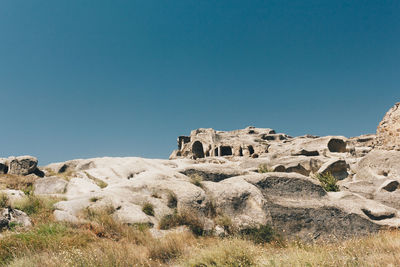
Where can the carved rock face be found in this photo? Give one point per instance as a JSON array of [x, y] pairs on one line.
[[388, 132]]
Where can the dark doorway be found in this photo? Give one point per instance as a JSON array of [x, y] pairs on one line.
[[198, 150]]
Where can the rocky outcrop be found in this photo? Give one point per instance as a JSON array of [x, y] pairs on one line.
[[293, 203], [22, 165], [50, 186], [388, 132], [251, 176]]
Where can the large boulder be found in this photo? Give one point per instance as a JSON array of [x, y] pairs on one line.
[[50, 186], [22, 165], [238, 199], [388, 132]]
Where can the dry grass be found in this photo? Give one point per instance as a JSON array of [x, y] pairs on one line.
[[23, 183], [184, 217], [224, 252], [4, 201], [39, 209], [105, 242], [63, 245]]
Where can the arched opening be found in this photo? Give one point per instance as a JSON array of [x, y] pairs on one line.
[[216, 152], [198, 150], [251, 150], [226, 151]]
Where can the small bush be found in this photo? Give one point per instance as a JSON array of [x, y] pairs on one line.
[[172, 200], [260, 234], [183, 218], [263, 168], [328, 182], [148, 209], [4, 201]]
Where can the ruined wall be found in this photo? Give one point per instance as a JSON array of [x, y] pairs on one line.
[[249, 142]]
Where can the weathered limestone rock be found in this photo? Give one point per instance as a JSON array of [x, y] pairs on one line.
[[13, 195], [50, 186], [290, 202], [361, 145], [10, 215], [379, 164], [22, 165], [309, 146], [388, 132], [238, 199]]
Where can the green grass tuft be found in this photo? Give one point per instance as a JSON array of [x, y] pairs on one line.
[[328, 182], [148, 209]]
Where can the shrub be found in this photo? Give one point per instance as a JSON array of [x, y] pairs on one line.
[[148, 209], [260, 234], [183, 218], [172, 200], [328, 182], [263, 168], [4, 201]]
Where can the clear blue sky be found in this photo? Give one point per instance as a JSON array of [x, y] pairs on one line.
[[83, 78]]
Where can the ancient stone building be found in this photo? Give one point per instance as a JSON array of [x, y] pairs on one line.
[[203, 143]]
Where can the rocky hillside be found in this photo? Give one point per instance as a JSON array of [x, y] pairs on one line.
[[306, 187]]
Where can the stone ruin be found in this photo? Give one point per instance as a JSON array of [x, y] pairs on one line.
[[248, 142]]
